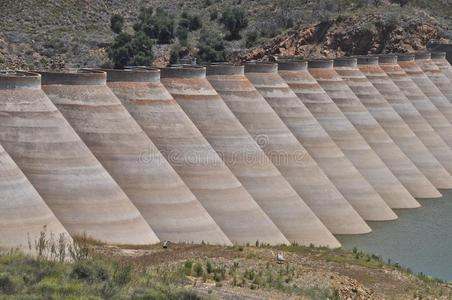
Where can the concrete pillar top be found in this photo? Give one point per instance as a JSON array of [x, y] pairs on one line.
[[133, 74], [387, 59], [261, 67], [225, 69], [74, 77], [422, 55], [438, 55], [346, 62], [10, 80], [367, 60], [183, 71], [405, 57], [292, 65], [320, 64]]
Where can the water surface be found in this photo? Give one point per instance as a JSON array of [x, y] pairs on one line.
[[421, 239]]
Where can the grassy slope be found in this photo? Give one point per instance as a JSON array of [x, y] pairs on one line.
[[211, 272]]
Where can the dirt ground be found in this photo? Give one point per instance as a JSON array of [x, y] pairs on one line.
[[306, 273]]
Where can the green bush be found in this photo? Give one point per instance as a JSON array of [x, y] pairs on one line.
[[7, 285], [191, 22], [251, 38], [158, 25], [211, 47], [198, 270], [234, 20], [116, 23], [131, 50]]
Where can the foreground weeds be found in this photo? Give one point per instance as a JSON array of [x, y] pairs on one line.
[[87, 269]]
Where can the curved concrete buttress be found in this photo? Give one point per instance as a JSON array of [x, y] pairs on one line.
[[131, 158], [440, 92], [196, 162], [66, 174], [407, 111], [392, 140], [23, 213], [423, 105], [279, 144], [243, 156], [346, 136], [439, 58], [176, 211], [299, 114], [417, 67]]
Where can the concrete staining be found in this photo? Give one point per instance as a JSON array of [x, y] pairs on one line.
[[424, 106], [342, 131], [243, 156], [203, 171], [130, 157], [392, 134], [299, 114], [66, 174], [371, 68], [23, 213], [283, 149]]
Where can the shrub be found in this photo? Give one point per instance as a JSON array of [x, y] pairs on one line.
[[251, 38], [132, 50], [7, 286], [209, 267], [211, 47], [158, 25], [116, 23], [198, 270], [234, 20], [213, 15]]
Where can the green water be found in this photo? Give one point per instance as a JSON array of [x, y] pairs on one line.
[[421, 239]]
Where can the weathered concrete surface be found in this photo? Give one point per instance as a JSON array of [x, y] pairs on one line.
[[23, 213], [439, 58], [193, 158], [243, 156], [346, 136], [299, 114], [399, 102], [69, 178], [425, 108], [431, 93], [279, 144], [440, 92], [130, 157], [392, 131]]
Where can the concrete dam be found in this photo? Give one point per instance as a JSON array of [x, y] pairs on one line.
[[276, 153]]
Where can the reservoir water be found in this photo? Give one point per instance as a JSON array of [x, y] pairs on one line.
[[421, 239]]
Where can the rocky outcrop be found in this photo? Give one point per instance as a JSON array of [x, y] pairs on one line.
[[357, 34]]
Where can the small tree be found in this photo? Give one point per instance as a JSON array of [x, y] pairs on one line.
[[158, 25], [234, 20], [211, 47], [116, 23], [131, 50], [190, 22]]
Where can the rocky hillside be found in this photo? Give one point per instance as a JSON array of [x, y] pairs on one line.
[[52, 34], [353, 35]]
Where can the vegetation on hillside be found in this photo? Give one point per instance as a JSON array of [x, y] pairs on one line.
[[55, 34]]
